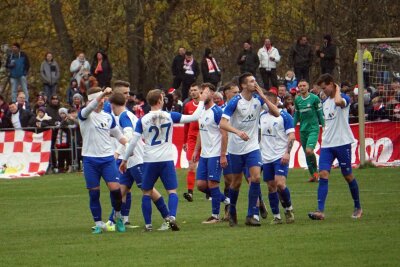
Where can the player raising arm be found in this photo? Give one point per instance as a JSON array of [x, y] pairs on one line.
[[240, 119], [98, 155], [337, 138]]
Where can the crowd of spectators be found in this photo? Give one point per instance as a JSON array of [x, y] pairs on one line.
[[47, 109]]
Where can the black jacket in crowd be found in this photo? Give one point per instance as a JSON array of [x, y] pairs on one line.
[[177, 65], [26, 118], [329, 51], [250, 63], [301, 55]]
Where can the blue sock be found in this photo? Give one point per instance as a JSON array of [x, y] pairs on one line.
[[215, 202], [233, 195], [95, 206], [173, 204], [162, 208], [111, 217], [126, 207], [254, 193], [322, 193], [285, 195], [354, 193], [146, 209], [274, 202]]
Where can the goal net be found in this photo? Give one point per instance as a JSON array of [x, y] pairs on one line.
[[378, 76]]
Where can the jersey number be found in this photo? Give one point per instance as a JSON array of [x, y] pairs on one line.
[[154, 141]]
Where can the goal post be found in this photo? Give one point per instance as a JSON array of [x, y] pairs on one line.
[[380, 74]]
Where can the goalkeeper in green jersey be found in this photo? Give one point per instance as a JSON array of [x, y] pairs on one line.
[[308, 111]]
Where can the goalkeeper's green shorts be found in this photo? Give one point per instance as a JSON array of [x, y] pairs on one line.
[[309, 139]]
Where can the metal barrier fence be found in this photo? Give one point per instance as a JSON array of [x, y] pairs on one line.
[[74, 149]]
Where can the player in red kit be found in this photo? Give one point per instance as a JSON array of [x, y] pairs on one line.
[[191, 131]]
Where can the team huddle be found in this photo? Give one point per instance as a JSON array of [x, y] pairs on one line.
[[250, 135]]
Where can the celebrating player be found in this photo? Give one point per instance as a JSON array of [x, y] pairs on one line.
[[156, 129], [277, 137], [308, 111], [126, 120], [213, 155], [240, 119], [337, 138], [98, 155]]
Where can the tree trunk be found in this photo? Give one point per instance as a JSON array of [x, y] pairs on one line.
[[159, 38], [61, 29], [132, 51]]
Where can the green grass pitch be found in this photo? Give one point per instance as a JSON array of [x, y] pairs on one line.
[[46, 221]]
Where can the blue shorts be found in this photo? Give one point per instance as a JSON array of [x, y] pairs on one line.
[[274, 168], [209, 169], [118, 162], [94, 168], [248, 160], [341, 153], [164, 169], [132, 175], [228, 169]]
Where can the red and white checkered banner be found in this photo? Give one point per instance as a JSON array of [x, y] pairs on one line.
[[382, 145], [24, 153]]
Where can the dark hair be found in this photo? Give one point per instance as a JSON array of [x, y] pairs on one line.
[[243, 78], [300, 37], [70, 110], [248, 41], [17, 45], [228, 86], [140, 97], [117, 99], [195, 84], [209, 85], [303, 80], [207, 51], [325, 78], [328, 37], [188, 53]]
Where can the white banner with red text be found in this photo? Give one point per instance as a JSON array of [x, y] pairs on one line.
[[382, 145]]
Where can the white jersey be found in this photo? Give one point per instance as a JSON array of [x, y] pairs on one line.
[[244, 116], [209, 132], [274, 135], [127, 122], [114, 142], [95, 129], [337, 130], [156, 129]]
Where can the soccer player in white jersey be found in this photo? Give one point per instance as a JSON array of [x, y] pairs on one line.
[[126, 120], [240, 119], [212, 156], [98, 155], [156, 127], [121, 87], [277, 137], [337, 138]]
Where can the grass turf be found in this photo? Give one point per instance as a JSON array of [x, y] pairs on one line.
[[47, 221]]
